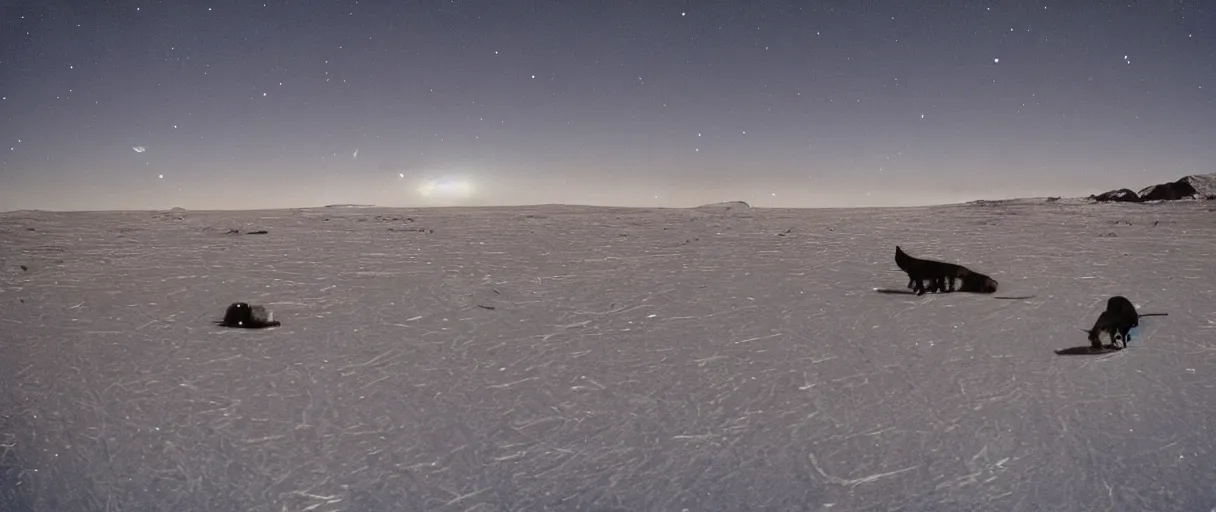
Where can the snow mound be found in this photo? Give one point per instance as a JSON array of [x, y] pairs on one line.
[[1019, 201]]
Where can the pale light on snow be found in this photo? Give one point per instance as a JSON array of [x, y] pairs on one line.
[[579, 358]]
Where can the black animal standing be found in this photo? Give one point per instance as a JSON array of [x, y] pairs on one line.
[[244, 316], [1116, 327], [942, 275], [1117, 322]]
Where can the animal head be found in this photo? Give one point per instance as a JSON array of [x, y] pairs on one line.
[[975, 282], [901, 258], [989, 285]]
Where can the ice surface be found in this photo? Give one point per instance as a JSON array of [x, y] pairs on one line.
[[570, 358]]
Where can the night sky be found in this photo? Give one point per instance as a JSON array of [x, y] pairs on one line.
[[235, 104]]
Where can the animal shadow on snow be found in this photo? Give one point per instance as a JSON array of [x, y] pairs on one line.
[[1085, 350], [892, 291]]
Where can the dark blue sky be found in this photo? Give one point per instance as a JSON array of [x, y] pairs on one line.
[[146, 104]]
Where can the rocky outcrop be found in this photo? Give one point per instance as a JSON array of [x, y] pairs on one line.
[[1196, 186], [1122, 195], [1201, 186], [1181, 189]]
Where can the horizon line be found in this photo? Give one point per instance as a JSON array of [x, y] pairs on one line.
[[535, 205]]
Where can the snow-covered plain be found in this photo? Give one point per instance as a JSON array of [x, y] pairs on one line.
[[579, 358]]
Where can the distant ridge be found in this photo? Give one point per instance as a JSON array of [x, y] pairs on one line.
[[350, 206], [725, 206], [1195, 186]]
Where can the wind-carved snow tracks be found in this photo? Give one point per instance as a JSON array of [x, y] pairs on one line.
[[633, 360]]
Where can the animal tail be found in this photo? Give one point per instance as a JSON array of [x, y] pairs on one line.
[[1155, 314], [1023, 297]]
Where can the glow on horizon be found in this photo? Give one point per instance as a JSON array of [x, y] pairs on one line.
[[446, 189]]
